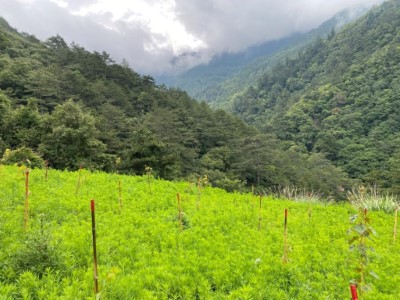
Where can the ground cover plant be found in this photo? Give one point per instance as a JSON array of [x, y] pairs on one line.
[[144, 253]]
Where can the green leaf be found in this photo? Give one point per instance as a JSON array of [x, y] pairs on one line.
[[360, 228], [353, 218]]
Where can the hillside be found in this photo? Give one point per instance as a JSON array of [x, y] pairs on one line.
[[77, 108], [226, 247], [339, 97], [229, 73]]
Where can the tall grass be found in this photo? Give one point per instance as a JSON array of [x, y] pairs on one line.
[[293, 193], [372, 199]]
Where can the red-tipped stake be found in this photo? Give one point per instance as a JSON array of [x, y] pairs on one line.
[[26, 213], [95, 274], [179, 210], [285, 259], [353, 289]]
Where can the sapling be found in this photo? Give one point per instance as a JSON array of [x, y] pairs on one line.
[[362, 231]]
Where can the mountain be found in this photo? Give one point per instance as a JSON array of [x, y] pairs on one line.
[[77, 108], [339, 97], [228, 73]]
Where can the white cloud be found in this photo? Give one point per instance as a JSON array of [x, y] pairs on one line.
[[150, 33]]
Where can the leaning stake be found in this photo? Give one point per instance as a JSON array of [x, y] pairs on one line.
[[95, 274]]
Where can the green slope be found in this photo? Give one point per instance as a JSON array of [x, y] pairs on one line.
[[143, 253], [338, 97]]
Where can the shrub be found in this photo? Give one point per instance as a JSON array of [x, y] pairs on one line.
[[22, 156], [37, 254]]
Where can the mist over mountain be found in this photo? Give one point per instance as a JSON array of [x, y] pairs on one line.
[[215, 81]]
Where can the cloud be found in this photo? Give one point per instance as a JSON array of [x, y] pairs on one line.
[[232, 25], [150, 34], [132, 41]]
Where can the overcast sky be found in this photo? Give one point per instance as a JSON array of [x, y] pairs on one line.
[[150, 33]]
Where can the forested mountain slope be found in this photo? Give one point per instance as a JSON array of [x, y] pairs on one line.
[[77, 108], [339, 97], [230, 73]]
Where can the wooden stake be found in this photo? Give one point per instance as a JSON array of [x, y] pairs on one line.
[[395, 225], [285, 259], [46, 165], [198, 193], [119, 194], [26, 213], [259, 213], [78, 184], [179, 211], [95, 273]]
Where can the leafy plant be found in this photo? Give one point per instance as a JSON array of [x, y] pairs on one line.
[[37, 253], [361, 234]]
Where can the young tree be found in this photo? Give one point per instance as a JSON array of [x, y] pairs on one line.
[[71, 139]]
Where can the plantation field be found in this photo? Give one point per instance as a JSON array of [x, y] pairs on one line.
[[222, 251]]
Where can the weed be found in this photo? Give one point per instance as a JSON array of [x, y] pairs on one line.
[[372, 199]]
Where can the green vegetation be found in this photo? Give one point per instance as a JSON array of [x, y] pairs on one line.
[[144, 254], [75, 108], [338, 98]]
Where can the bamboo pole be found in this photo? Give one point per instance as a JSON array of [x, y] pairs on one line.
[[95, 273], [46, 165], [285, 258], [78, 183], [259, 212], [26, 213], [119, 194], [395, 225]]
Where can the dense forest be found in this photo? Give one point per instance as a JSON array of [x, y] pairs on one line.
[[73, 108], [339, 98]]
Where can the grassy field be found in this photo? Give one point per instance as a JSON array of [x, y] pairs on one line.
[[221, 251]]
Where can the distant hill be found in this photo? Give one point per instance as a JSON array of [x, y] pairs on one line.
[[78, 108], [229, 73], [340, 97]]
